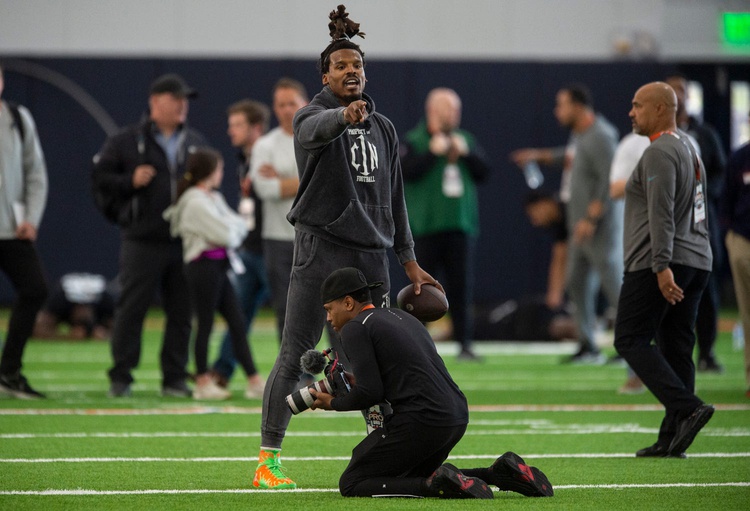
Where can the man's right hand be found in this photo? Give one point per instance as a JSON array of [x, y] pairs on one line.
[[523, 156], [142, 175], [322, 400], [356, 112]]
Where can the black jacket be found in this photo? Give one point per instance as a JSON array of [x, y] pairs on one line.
[[113, 171], [394, 359]]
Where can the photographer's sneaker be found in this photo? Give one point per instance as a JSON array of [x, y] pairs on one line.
[[269, 475], [447, 482], [511, 473]]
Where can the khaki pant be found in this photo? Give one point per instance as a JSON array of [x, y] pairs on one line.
[[738, 248]]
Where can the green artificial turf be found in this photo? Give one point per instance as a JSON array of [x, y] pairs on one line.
[[81, 450]]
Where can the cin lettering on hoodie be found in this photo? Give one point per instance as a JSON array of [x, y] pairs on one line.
[[364, 156]]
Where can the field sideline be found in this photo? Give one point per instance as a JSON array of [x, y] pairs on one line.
[[80, 450]]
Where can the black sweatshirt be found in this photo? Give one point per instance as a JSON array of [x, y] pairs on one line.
[[394, 358]]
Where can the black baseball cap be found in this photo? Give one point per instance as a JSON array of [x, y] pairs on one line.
[[174, 84], [344, 282]]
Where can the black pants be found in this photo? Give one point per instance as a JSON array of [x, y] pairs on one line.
[[398, 458], [667, 367], [144, 267], [450, 255], [279, 257], [20, 263], [211, 291], [706, 324]]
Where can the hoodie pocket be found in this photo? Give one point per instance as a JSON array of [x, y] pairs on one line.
[[365, 225]]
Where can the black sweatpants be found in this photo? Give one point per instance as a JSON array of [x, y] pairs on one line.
[[397, 459]]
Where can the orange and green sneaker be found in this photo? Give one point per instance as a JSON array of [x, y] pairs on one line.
[[269, 475]]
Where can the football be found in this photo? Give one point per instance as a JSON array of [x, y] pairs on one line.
[[429, 305]]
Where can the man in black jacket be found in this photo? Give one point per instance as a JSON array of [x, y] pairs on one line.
[[141, 166], [430, 412], [714, 159]]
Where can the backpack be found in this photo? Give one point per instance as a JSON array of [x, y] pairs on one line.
[[17, 120], [116, 209]]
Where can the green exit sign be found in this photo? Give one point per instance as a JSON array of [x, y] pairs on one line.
[[736, 29]]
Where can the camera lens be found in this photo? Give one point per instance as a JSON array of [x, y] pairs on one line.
[[300, 400]]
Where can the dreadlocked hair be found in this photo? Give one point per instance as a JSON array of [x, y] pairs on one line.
[[201, 163], [342, 31]]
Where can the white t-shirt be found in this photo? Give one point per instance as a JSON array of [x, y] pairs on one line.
[[628, 152], [275, 148]]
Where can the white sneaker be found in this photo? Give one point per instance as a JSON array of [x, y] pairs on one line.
[[633, 385], [255, 390], [210, 390]]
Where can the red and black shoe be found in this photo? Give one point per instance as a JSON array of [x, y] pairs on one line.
[[511, 473], [447, 482]]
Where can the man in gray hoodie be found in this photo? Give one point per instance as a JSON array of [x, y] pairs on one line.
[[348, 211], [23, 196]]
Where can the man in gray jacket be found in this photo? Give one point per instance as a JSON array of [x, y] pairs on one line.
[[667, 265], [23, 195], [349, 209]]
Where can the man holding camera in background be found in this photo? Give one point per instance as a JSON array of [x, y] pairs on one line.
[[430, 413], [442, 165]]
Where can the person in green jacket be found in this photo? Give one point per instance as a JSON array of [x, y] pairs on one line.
[[441, 165]]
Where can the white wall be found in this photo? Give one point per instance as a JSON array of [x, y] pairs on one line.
[[440, 29]]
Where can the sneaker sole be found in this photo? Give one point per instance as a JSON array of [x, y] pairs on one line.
[[283, 486], [531, 481], [175, 393], [19, 394], [462, 487]]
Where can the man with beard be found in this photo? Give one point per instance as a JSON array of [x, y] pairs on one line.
[[594, 228], [349, 209]]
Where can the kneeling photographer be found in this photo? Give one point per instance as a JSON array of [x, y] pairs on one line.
[[393, 359]]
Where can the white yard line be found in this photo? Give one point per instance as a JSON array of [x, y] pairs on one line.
[[80, 492], [205, 409], [533, 429], [244, 459]]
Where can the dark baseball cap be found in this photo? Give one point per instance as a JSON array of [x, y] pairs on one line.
[[344, 282], [173, 84]]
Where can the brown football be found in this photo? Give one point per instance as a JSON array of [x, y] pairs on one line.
[[429, 305]]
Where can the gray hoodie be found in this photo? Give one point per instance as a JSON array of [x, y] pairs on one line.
[[351, 191], [23, 173]]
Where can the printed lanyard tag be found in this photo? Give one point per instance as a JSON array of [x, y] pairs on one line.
[[699, 204]]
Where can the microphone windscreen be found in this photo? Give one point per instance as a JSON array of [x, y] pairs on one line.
[[312, 361]]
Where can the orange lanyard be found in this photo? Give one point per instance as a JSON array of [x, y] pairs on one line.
[[696, 163]]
